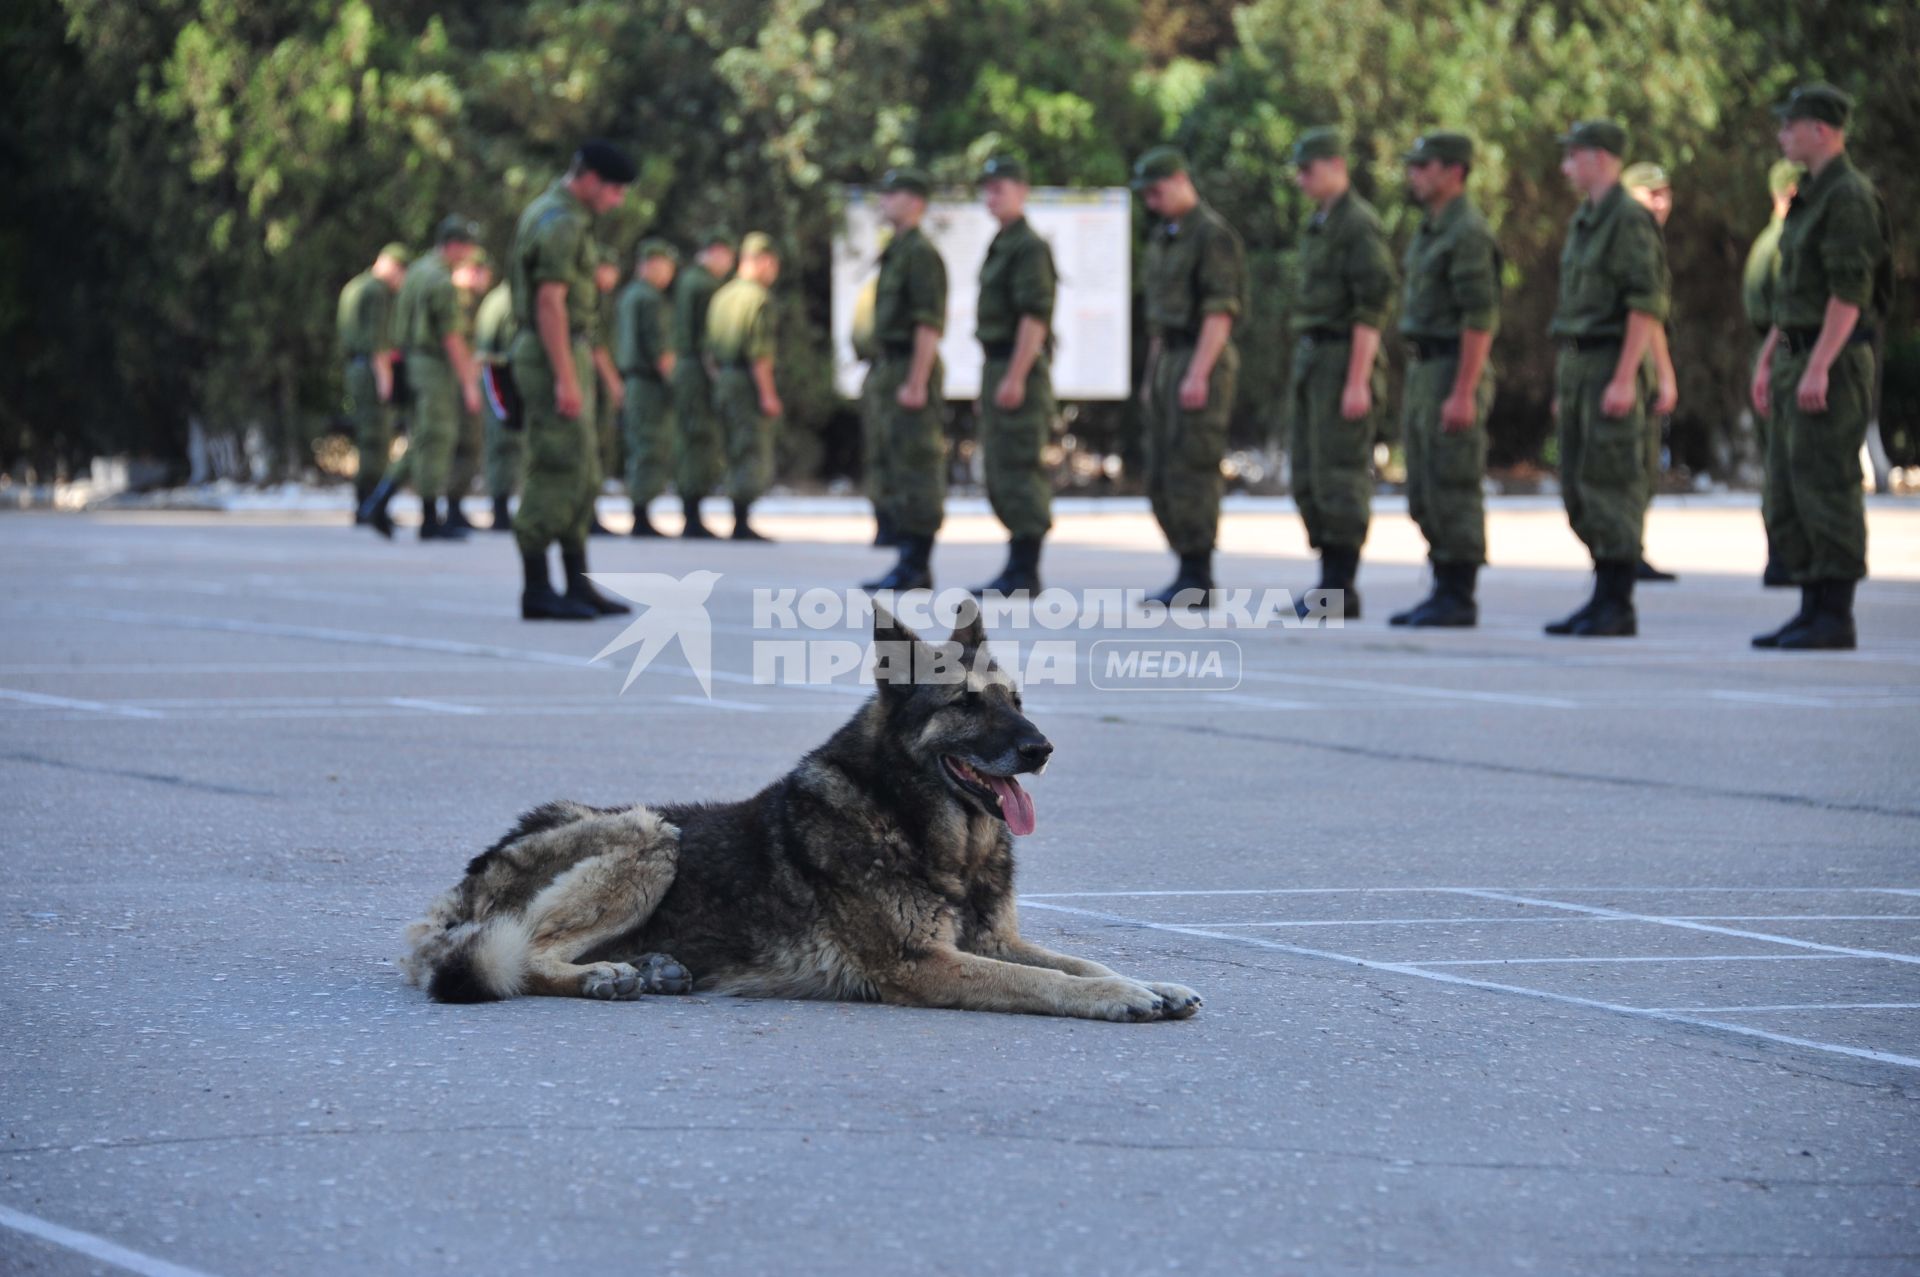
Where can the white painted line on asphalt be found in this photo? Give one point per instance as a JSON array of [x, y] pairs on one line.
[[1895, 891], [1808, 1006], [1437, 890], [435, 707], [1710, 928], [1770, 698], [1428, 922], [1582, 962], [68, 702], [719, 702], [1415, 689], [1442, 977], [93, 1247], [1260, 702]]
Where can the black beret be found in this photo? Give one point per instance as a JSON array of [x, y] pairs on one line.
[[609, 161]]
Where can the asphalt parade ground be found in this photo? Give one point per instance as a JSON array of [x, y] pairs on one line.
[[1520, 955]]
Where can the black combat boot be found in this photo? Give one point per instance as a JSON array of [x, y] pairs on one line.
[[1645, 571], [538, 602], [1809, 603], [580, 590], [1406, 617], [432, 527], [1830, 628], [1022, 573], [695, 529], [1613, 615], [1195, 574], [1452, 606], [1339, 565], [502, 516], [642, 525], [456, 520], [373, 511], [1775, 577], [742, 530], [1567, 624], [884, 533], [914, 571]]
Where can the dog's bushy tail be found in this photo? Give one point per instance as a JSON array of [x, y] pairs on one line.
[[457, 959]]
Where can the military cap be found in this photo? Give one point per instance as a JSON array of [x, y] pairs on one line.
[[1321, 143], [717, 235], [455, 229], [656, 247], [907, 179], [1005, 167], [1784, 176], [1599, 135], [398, 252], [1442, 148], [1817, 101], [758, 242], [1160, 162], [1645, 176], [608, 161]]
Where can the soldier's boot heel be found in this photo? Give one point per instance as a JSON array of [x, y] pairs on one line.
[[1339, 565], [1809, 600], [885, 535], [642, 524], [502, 516], [1192, 585], [1568, 624], [581, 590], [1830, 628], [914, 570], [435, 528], [373, 511], [695, 529], [1021, 575], [1452, 605], [1613, 616], [456, 520], [742, 530], [539, 602]]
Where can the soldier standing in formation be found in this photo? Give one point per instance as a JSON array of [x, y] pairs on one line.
[[1757, 285], [1815, 372], [643, 352], [366, 343], [693, 379], [742, 341], [471, 280], [1449, 313], [1339, 376], [1613, 296], [440, 376], [613, 390], [872, 419], [1648, 185], [904, 380], [1196, 283], [556, 351], [506, 449], [1015, 319]]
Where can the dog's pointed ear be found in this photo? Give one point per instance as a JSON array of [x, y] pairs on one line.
[[887, 628], [968, 632]]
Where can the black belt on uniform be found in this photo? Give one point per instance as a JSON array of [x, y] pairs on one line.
[[1424, 348], [897, 349], [1581, 345], [997, 349], [1325, 336], [1799, 341]]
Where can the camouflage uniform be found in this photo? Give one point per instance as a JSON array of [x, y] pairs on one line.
[[493, 330], [469, 445], [641, 339], [426, 313], [740, 332], [363, 321], [911, 294], [1017, 281], [699, 459]]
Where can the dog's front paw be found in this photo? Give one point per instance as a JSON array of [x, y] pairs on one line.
[[661, 974], [1128, 1002], [1181, 1002], [612, 982]]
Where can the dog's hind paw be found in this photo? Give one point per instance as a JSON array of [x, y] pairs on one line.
[[612, 982], [661, 974], [1178, 1000]]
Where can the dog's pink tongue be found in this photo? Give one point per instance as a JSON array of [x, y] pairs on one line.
[[1016, 804]]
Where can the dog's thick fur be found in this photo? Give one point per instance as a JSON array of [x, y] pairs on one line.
[[877, 869]]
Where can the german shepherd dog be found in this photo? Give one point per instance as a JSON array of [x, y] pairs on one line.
[[879, 869]]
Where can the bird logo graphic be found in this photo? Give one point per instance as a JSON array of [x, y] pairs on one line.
[[667, 608]]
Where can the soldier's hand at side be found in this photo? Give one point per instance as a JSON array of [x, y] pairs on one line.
[[617, 394], [770, 405], [566, 398], [912, 395], [471, 394], [1666, 398], [1456, 414], [1356, 401], [1010, 394], [1759, 393], [383, 380], [1813, 390], [1146, 396], [1618, 398], [1193, 393]]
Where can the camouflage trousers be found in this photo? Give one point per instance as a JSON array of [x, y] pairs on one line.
[[1445, 471], [1816, 511], [1182, 449], [469, 453], [913, 449], [607, 432], [647, 421], [372, 425], [506, 454], [1013, 441], [873, 446], [434, 422], [1603, 464], [563, 454], [749, 434], [697, 465], [1332, 458]]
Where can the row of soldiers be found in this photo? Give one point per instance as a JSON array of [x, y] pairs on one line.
[[1815, 283]]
